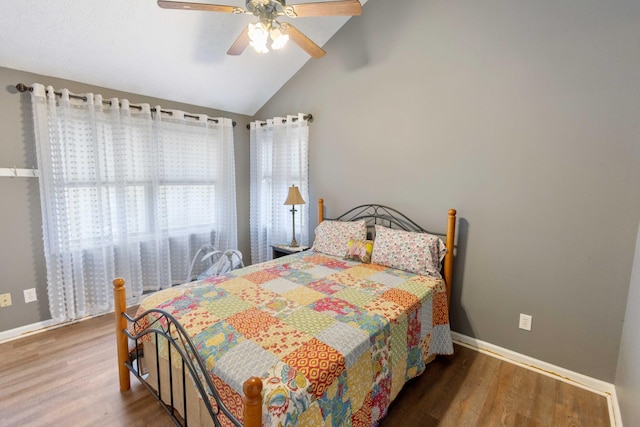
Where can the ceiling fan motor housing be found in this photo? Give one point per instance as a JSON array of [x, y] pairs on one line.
[[265, 9]]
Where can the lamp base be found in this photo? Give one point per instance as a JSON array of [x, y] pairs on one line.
[[293, 243]]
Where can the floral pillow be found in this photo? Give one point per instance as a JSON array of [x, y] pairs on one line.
[[420, 253], [359, 250], [332, 237]]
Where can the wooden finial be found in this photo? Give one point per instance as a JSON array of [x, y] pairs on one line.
[[252, 402], [320, 210]]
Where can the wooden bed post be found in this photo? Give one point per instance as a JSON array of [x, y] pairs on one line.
[[448, 258], [252, 402], [120, 303], [320, 210]]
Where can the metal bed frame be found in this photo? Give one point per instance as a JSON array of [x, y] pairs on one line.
[[166, 326], [167, 329]]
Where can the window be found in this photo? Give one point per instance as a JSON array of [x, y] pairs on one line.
[[127, 192]]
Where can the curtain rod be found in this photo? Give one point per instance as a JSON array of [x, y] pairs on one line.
[[308, 117], [24, 88]]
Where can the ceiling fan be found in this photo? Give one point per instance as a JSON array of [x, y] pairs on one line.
[[268, 27]]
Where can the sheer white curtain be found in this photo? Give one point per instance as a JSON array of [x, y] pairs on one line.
[[126, 192], [279, 159], [196, 192]]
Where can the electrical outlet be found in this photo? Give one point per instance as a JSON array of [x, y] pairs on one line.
[[5, 300], [525, 322], [30, 295]]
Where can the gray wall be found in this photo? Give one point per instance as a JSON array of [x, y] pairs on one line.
[[21, 254], [628, 373], [521, 115]]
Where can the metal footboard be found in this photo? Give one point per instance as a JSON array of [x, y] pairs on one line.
[[164, 328]]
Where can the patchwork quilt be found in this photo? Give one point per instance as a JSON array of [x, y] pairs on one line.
[[333, 340]]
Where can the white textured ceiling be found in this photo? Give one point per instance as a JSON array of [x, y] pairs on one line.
[[135, 46]]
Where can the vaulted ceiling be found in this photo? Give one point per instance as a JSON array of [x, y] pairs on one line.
[[137, 47]]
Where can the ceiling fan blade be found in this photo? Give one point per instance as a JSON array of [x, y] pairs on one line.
[[199, 6], [301, 40], [240, 44], [327, 8]]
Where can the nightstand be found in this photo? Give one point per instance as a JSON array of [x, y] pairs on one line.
[[282, 250]]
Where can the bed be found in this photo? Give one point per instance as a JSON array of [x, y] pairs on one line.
[[323, 337]]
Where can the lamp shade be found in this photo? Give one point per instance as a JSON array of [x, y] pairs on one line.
[[294, 197]]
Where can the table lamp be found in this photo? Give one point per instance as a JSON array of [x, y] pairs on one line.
[[294, 198]]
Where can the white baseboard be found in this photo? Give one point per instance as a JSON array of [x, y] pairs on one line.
[[602, 388], [47, 325], [26, 330]]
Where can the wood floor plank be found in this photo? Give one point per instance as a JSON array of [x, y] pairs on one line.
[[68, 376], [471, 392], [501, 411]]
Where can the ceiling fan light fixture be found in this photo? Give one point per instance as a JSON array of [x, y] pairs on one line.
[[259, 35], [278, 40], [260, 47]]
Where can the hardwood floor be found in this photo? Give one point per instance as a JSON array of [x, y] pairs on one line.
[[473, 389], [68, 376]]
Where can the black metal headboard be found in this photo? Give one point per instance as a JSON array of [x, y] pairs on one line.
[[389, 217], [382, 215]]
